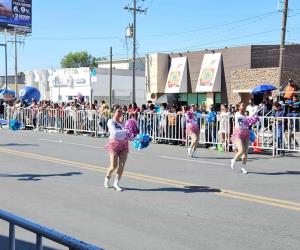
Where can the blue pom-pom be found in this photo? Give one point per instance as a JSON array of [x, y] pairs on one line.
[[141, 141], [211, 117], [15, 125], [252, 136]]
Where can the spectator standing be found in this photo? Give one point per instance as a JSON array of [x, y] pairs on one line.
[[224, 127], [142, 119], [171, 121], [290, 90], [210, 130], [252, 108], [279, 131]]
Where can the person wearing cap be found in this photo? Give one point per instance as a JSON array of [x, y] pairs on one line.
[[290, 90]]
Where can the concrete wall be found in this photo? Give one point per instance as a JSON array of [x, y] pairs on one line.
[[121, 85], [157, 73], [243, 79], [267, 56]]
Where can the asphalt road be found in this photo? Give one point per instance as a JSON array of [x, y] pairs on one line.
[[170, 200]]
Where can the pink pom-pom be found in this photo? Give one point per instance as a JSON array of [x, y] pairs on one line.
[[132, 128], [252, 120], [190, 116]]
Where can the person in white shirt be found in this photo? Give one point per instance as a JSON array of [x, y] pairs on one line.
[[224, 127], [117, 147], [252, 108], [240, 136]]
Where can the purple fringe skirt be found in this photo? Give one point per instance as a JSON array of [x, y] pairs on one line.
[[192, 129], [240, 134], [117, 146]]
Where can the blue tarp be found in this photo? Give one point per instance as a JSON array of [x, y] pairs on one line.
[[7, 92]]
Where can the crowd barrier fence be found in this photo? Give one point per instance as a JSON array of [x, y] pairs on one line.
[[278, 135]]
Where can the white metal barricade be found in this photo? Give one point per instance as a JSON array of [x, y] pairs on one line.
[[47, 119], [276, 134], [287, 135]]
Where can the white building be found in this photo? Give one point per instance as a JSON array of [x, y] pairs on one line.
[[123, 64], [66, 84]]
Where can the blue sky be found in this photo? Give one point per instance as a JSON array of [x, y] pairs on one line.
[[60, 27]]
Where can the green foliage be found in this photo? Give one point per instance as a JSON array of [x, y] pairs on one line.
[[79, 59]]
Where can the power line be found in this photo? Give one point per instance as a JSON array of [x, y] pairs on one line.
[[75, 38], [210, 27], [230, 39]]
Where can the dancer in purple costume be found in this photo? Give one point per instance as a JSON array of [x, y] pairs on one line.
[[192, 129]]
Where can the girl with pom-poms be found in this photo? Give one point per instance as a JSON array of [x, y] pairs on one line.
[[241, 136], [192, 129], [117, 147]]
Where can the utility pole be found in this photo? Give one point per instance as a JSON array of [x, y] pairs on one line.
[[110, 78], [16, 65], [282, 44], [6, 76], [15, 41], [5, 47], [134, 9]]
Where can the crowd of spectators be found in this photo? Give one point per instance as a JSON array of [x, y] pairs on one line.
[[170, 121]]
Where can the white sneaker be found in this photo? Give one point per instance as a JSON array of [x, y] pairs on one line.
[[244, 171], [193, 154], [117, 187], [106, 182], [189, 151], [232, 162]]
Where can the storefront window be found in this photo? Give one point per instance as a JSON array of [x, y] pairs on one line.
[[201, 98], [192, 99], [182, 97], [217, 98]]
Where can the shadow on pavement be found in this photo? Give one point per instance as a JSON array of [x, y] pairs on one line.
[[277, 173], [37, 177], [18, 144], [20, 244], [186, 189], [213, 157], [251, 158]]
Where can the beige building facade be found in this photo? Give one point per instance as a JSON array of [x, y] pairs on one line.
[[242, 68]]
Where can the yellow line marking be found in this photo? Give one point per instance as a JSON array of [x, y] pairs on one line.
[[223, 192], [281, 205]]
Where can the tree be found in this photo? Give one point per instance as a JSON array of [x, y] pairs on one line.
[[79, 59]]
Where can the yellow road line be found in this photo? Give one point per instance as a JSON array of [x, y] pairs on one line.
[[225, 193]]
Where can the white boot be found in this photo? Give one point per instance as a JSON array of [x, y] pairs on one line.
[[116, 185], [232, 162], [189, 151], [106, 182], [243, 169], [193, 153]]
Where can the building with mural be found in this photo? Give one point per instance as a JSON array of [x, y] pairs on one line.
[[218, 76]]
